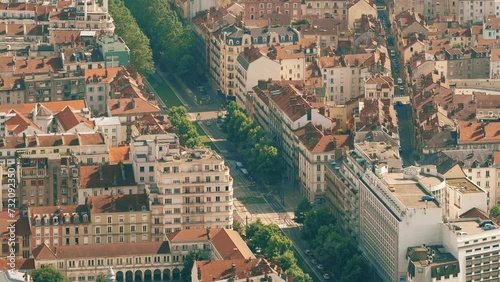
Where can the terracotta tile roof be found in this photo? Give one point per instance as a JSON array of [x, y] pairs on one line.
[[65, 36], [149, 124], [55, 107], [52, 210], [107, 75], [492, 22], [361, 60], [37, 65], [472, 132], [43, 252], [382, 81], [475, 213], [110, 176], [328, 62], [496, 157], [317, 141], [495, 55], [11, 83], [118, 203], [119, 154], [228, 243], [133, 106], [486, 101], [222, 270], [68, 119], [19, 264], [14, 29], [86, 138], [19, 123]]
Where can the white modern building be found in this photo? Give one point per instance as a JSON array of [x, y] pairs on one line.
[[111, 128]]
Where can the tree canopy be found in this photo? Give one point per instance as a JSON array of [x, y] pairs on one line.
[[254, 143], [335, 249], [141, 55], [270, 241], [48, 274], [495, 211], [172, 42], [187, 132], [191, 257]]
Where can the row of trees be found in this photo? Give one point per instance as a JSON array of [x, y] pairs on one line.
[[50, 274], [126, 26], [172, 42], [187, 132], [253, 142], [333, 247], [270, 241]]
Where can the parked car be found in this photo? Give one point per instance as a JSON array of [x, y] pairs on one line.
[[461, 233], [326, 276], [483, 223], [320, 267], [308, 252], [490, 227], [428, 198], [313, 261]]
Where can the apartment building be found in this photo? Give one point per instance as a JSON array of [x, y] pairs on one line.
[[291, 59], [111, 129], [336, 9], [476, 250], [114, 51], [251, 67], [82, 15], [360, 8], [495, 63], [474, 12], [46, 87], [47, 179], [22, 234], [231, 40], [381, 204], [106, 179], [470, 63], [56, 226], [119, 218], [316, 149], [128, 110], [146, 150], [379, 87], [478, 135], [194, 190], [137, 261], [254, 10], [487, 105], [11, 90], [344, 76], [282, 109], [97, 88]]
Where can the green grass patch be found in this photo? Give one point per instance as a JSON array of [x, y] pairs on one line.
[[163, 90], [252, 200], [204, 138]]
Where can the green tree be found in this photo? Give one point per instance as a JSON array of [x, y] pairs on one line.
[[141, 55], [191, 257], [48, 274], [495, 211], [277, 245], [187, 132], [302, 209], [101, 278], [355, 270], [298, 274], [287, 260], [314, 220]]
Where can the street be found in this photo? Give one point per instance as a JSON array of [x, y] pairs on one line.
[[252, 199]]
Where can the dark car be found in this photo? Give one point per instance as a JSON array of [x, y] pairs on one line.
[[483, 223]]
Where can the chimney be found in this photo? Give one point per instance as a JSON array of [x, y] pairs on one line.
[[101, 177], [132, 103], [233, 270], [24, 29], [6, 27], [208, 234]]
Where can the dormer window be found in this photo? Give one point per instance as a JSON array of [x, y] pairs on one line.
[[130, 209], [38, 221], [85, 218], [76, 219], [46, 220], [143, 208], [55, 220]]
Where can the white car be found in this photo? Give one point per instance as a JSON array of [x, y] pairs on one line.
[[326, 276], [320, 266]]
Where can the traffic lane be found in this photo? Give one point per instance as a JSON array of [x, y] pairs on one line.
[[274, 204]]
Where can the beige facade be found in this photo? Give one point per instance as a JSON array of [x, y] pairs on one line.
[[194, 190], [89, 15], [336, 9]]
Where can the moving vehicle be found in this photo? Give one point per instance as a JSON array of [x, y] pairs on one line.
[[392, 189]]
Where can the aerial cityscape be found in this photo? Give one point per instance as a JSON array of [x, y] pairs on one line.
[[250, 140]]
